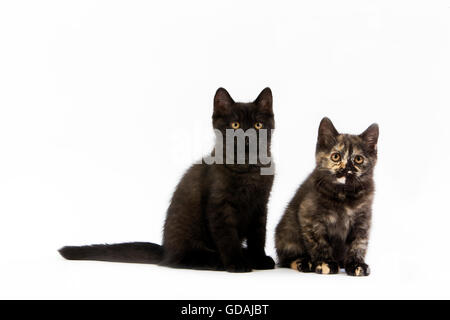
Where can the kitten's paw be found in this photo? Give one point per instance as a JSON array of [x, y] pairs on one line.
[[302, 265], [329, 267], [357, 269], [263, 263], [239, 267]]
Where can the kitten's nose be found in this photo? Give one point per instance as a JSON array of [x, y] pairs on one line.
[[349, 168]]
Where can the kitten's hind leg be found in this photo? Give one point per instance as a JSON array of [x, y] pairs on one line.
[[302, 264], [298, 262]]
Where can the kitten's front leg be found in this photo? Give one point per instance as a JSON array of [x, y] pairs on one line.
[[256, 241], [314, 236], [225, 235], [358, 240]]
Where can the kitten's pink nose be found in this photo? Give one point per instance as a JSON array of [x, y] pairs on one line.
[[349, 172]]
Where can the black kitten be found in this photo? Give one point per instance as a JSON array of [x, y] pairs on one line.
[[213, 209], [326, 225]]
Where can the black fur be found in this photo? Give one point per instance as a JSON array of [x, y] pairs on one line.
[[213, 209], [137, 252]]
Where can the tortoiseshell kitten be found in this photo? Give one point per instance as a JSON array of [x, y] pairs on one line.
[[326, 224], [214, 207]]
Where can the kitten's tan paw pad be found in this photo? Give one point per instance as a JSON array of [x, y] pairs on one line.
[[327, 268], [323, 268], [302, 265], [357, 269], [294, 264]]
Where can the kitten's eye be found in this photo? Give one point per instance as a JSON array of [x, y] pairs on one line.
[[235, 125], [258, 125], [336, 157], [359, 159]]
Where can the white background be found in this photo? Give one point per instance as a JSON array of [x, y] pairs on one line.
[[104, 104]]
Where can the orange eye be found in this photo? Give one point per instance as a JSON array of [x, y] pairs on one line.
[[258, 125], [359, 159], [235, 125], [336, 157]]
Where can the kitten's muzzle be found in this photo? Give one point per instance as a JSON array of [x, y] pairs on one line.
[[348, 171]]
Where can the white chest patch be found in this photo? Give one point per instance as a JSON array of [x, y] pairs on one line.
[[341, 180]]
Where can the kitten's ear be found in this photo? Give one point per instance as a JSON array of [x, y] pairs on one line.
[[222, 99], [264, 100], [370, 136], [327, 133]]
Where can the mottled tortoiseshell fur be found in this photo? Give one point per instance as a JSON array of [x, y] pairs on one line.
[[326, 225]]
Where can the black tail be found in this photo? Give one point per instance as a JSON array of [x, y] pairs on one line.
[[133, 252]]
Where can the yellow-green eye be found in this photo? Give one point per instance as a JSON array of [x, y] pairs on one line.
[[258, 125], [235, 125], [336, 156], [359, 159]]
